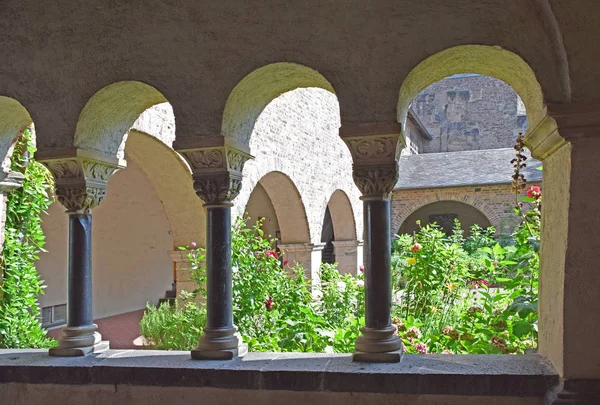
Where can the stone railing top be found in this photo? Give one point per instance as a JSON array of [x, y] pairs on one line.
[[487, 375]]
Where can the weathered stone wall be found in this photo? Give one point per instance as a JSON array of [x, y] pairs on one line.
[[496, 202], [413, 139], [297, 135], [470, 113]]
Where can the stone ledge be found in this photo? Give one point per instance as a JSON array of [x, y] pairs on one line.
[[469, 375]]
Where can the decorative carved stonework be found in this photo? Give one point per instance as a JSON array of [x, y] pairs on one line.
[[80, 182], [217, 172], [369, 148], [376, 181], [375, 158]]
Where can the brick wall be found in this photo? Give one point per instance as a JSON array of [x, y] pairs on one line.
[[496, 202], [470, 113]]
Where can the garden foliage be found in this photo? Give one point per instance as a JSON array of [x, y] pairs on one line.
[[24, 240]]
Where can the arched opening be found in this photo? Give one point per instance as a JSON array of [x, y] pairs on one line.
[[110, 113], [339, 234], [277, 201], [443, 213], [14, 118], [253, 93]]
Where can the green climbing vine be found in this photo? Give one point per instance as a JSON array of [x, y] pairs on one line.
[[20, 283]]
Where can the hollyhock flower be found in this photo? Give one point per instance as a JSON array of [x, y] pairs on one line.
[[269, 303], [534, 192], [416, 247], [362, 269], [360, 283], [411, 260], [193, 244], [421, 348], [285, 262], [273, 254], [341, 285]]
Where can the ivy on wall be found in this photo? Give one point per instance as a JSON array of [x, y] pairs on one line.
[[20, 284]]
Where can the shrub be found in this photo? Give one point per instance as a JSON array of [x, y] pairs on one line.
[[173, 328]]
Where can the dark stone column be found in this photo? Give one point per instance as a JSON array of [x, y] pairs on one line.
[[375, 172], [217, 173], [80, 187]]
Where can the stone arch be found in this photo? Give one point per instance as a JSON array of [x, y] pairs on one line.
[[342, 216], [110, 113], [289, 207], [482, 59], [254, 92], [171, 178], [491, 214], [13, 120], [473, 216]]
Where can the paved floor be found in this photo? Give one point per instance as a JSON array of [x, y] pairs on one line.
[[121, 330]]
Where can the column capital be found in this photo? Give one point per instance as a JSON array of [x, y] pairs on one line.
[[81, 177], [563, 123], [375, 150], [217, 169]]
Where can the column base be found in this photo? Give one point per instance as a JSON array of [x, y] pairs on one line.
[[220, 344], [386, 357], [578, 392], [79, 341], [378, 346]]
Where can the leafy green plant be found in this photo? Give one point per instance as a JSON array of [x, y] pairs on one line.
[[173, 328], [24, 240], [274, 308]]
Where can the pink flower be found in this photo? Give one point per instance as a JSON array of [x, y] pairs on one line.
[[416, 247], [421, 348], [285, 262], [269, 303], [534, 192], [485, 283], [193, 244], [362, 269], [273, 254]]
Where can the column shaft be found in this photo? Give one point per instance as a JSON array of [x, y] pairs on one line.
[[218, 261], [79, 295], [378, 280]]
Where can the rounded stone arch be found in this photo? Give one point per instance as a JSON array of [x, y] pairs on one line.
[[467, 213], [110, 113], [289, 207], [492, 215], [14, 118], [254, 92], [342, 216], [486, 60], [171, 178]]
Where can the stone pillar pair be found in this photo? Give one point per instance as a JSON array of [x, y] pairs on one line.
[[568, 143], [375, 151], [80, 185]]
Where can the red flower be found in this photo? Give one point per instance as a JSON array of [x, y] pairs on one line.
[[272, 253], [362, 269], [416, 247], [285, 262], [534, 192], [269, 303]]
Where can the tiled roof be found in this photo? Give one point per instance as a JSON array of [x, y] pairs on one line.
[[451, 169]]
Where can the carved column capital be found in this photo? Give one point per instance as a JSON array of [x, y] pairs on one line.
[[375, 162], [81, 178], [217, 172]]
